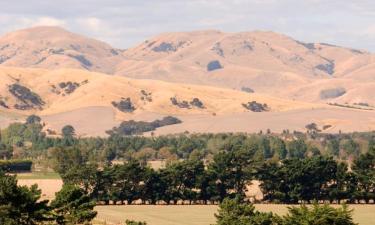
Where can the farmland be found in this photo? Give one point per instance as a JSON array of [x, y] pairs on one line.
[[198, 214], [166, 215]]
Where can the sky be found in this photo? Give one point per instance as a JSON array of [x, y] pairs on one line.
[[125, 23]]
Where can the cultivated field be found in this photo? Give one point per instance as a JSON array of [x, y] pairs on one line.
[[50, 183], [198, 215]]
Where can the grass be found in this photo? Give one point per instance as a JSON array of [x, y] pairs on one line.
[[38, 176], [198, 215]]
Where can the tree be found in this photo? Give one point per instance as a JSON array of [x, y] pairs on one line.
[[297, 149], [72, 206], [132, 222], [236, 212], [318, 215], [20, 205], [231, 172], [278, 147], [364, 169], [351, 147], [333, 147], [83, 175], [127, 180], [297, 179], [68, 131], [371, 146], [67, 158], [6, 151], [33, 119], [341, 187]]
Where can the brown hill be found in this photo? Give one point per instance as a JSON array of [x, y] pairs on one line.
[[66, 96], [291, 77], [264, 62], [54, 47]]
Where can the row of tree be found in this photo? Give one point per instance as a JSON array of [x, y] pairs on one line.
[[318, 178], [227, 175]]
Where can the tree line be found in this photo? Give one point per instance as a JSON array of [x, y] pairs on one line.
[[227, 175], [30, 140]]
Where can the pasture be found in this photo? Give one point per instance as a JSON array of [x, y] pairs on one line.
[[198, 214], [50, 183]]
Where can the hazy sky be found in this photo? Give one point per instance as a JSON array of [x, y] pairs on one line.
[[124, 23]]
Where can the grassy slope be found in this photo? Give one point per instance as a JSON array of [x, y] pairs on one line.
[[197, 215]]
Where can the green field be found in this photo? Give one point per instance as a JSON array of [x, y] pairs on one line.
[[198, 215], [38, 176]]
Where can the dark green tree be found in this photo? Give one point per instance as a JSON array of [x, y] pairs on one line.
[[72, 206], [364, 169], [297, 149], [132, 222], [318, 215], [236, 212], [68, 131], [333, 147], [20, 205], [33, 119], [231, 172]]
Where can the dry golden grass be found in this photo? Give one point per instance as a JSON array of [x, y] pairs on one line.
[[48, 186], [48, 182], [198, 215], [169, 215]]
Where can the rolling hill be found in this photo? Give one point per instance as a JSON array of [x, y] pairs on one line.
[[66, 95], [213, 81], [54, 47], [264, 62]]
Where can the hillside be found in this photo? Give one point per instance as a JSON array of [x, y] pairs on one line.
[[54, 47], [213, 81], [68, 95], [264, 62]]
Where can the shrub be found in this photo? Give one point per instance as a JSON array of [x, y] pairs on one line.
[[332, 93], [255, 106], [197, 103], [247, 89], [214, 65], [125, 105], [16, 165], [132, 222]]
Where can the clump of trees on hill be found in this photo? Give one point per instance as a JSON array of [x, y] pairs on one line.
[[29, 99], [195, 102], [132, 127], [124, 105], [255, 106]]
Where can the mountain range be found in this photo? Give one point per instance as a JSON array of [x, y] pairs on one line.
[[210, 79]]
